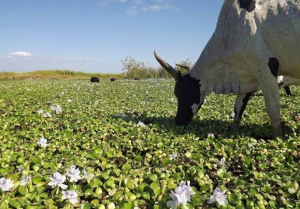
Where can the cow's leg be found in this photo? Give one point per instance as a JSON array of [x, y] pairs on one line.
[[239, 107], [268, 82], [287, 90]]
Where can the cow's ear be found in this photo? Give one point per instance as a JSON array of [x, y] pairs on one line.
[[251, 6]]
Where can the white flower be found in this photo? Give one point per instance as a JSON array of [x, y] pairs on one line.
[[74, 174], [210, 135], [42, 142], [172, 99], [40, 111], [69, 100], [218, 197], [47, 115], [25, 180], [57, 179], [140, 123], [143, 102], [221, 163], [71, 196], [232, 115], [52, 108], [62, 93], [6, 184], [182, 195], [20, 168], [173, 156], [87, 175], [58, 109]]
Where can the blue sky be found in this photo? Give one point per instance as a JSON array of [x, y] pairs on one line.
[[95, 35]]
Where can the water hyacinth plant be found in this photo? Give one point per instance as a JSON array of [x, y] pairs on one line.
[[94, 158], [42, 142], [219, 197], [57, 180], [73, 174], [6, 184], [181, 196]]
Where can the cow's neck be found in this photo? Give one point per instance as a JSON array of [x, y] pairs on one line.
[[216, 77]]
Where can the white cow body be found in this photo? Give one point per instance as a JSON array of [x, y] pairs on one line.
[[240, 55], [235, 60]]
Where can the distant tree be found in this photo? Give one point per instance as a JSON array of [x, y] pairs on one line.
[[184, 66]]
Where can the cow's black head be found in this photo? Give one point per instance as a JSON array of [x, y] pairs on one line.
[[187, 91]]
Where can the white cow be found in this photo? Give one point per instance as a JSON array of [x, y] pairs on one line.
[[248, 49], [285, 82]]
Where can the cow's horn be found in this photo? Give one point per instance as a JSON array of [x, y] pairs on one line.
[[166, 66], [183, 66]]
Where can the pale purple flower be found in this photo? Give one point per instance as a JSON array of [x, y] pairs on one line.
[[20, 168], [52, 108], [140, 123], [47, 115], [210, 135], [25, 180], [57, 180], [40, 111], [87, 175], [71, 196], [6, 184], [42, 142], [218, 197], [74, 174], [221, 163], [182, 195], [58, 109], [173, 156]]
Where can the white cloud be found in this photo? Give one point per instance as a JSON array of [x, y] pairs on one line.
[[133, 10], [155, 7], [137, 6], [20, 54]]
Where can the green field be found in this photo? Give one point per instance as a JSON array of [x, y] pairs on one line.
[[98, 130]]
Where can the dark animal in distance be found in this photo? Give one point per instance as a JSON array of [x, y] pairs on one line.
[[94, 79], [113, 79]]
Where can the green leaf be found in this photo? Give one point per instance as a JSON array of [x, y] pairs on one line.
[[165, 161], [233, 198], [138, 158], [37, 179], [272, 204], [15, 204], [267, 189], [36, 160], [86, 206], [153, 177], [253, 191], [291, 190], [128, 205], [22, 190]]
